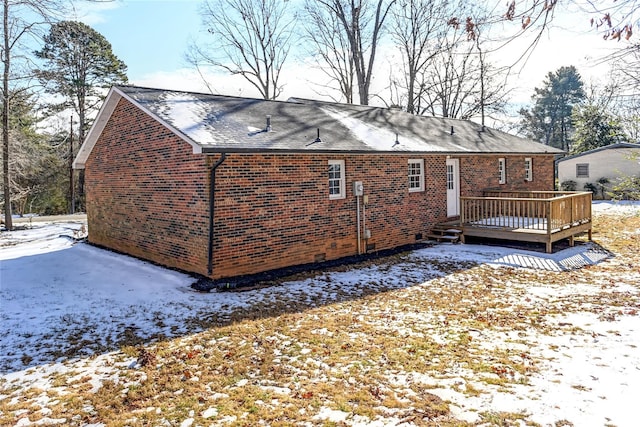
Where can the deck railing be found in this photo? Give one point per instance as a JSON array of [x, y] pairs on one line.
[[521, 194], [570, 210], [532, 210]]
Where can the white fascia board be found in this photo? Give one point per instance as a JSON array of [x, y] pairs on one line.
[[109, 105], [98, 126], [197, 148]]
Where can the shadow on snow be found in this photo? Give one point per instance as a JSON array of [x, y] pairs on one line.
[[82, 301]]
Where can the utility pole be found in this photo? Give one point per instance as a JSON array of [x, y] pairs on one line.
[[72, 195]]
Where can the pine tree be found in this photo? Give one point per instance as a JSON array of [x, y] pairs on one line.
[[549, 121], [594, 128], [79, 65]]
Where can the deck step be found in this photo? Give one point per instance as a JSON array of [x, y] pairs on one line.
[[445, 230], [446, 225], [441, 237]]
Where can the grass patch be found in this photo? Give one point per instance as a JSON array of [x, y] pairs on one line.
[[384, 356]]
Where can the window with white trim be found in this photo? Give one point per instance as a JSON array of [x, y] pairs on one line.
[[582, 170], [528, 169], [502, 171], [336, 179], [416, 175], [450, 177]]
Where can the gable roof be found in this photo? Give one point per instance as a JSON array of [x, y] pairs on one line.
[[216, 124], [606, 147]]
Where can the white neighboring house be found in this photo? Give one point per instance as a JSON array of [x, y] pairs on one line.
[[612, 162]]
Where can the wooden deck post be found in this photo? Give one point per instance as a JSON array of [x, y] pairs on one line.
[[463, 217], [541, 217], [549, 245]]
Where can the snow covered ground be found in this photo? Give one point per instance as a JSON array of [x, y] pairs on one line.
[[63, 302]]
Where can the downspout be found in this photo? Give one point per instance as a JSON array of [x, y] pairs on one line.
[[212, 190], [358, 225]]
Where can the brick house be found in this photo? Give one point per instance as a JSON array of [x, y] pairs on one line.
[[224, 186]]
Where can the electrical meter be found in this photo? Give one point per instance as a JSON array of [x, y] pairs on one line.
[[358, 188]]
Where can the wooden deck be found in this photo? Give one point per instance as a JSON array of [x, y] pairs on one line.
[[529, 216]]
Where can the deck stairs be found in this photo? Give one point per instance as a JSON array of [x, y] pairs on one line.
[[445, 232]]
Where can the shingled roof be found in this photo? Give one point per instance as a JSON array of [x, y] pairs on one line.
[[616, 146], [215, 124]]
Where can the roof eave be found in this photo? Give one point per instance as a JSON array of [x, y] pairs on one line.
[[239, 150], [109, 105], [98, 126], [615, 146]]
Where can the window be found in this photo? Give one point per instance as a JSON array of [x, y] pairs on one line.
[[450, 177], [416, 175], [502, 171], [582, 170], [336, 179], [528, 169]]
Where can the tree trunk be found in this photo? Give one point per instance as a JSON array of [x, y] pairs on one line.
[[411, 93], [6, 181], [72, 195], [354, 31], [81, 136]]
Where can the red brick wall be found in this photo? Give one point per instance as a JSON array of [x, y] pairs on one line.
[[274, 210], [148, 195], [478, 173]]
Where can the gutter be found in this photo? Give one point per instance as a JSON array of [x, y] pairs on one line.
[[253, 150], [212, 190]]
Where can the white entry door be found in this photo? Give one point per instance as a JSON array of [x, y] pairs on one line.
[[453, 187]]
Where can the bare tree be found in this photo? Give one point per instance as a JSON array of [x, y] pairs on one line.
[[418, 28], [619, 96], [21, 23], [250, 38], [614, 19], [629, 117], [624, 84], [329, 46], [361, 23], [460, 83], [27, 148]]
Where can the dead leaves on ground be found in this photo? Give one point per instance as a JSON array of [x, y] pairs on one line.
[[377, 357]]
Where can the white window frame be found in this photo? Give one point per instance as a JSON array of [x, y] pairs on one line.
[[451, 184], [339, 180], [584, 166], [502, 170], [528, 169], [413, 188]]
